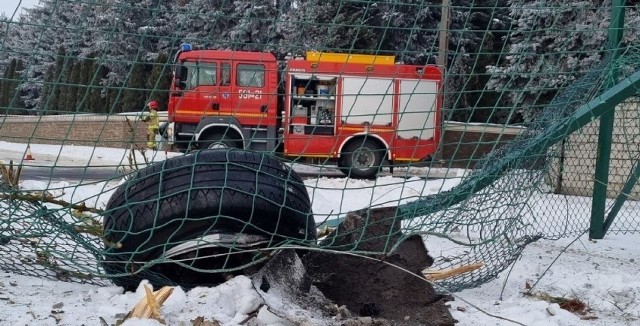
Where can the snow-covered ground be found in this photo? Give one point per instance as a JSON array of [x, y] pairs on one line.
[[602, 274], [72, 156]]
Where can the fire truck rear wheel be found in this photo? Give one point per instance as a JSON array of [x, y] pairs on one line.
[[218, 141], [361, 159], [188, 197]]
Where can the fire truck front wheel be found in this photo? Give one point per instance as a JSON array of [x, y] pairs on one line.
[[361, 159], [219, 140]]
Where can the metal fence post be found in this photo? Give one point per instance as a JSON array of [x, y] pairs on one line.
[[603, 158]]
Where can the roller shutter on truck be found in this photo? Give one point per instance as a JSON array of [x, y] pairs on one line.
[[417, 111], [371, 100], [367, 100]]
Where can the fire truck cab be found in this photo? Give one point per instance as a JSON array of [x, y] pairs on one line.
[[224, 99], [359, 110]]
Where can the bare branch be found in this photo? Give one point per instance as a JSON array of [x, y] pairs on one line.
[[46, 198]]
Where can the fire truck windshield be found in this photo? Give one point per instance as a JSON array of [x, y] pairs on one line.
[[200, 74]]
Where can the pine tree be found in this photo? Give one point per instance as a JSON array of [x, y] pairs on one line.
[[66, 104], [47, 91], [39, 33], [76, 76], [206, 25], [553, 43], [134, 96], [15, 102], [84, 81], [56, 89], [159, 80], [97, 101], [476, 42], [335, 25], [253, 28], [113, 100], [123, 36], [7, 82]]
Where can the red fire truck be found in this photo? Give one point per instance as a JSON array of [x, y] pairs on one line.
[[362, 111]]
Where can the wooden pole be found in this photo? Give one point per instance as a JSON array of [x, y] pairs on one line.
[[443, 45], [443, 49]]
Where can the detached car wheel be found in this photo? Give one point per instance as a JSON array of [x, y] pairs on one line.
[[202, 209]]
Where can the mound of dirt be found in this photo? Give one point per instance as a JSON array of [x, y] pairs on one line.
[[354, 290]]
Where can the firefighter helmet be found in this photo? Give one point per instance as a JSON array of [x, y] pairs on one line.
[[153, 105]]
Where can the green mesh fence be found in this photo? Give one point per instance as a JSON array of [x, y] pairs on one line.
[[523, 90]]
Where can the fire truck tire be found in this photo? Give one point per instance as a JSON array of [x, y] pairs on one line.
[[187, 197], [361, 159], [183, 144], [218, 141]]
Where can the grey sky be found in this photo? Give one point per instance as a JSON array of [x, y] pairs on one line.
[[8, 6]]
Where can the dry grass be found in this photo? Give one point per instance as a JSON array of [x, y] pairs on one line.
[[10, 175], [573, 305]]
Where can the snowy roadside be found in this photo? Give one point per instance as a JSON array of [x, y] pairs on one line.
[[70, 155], [85, 156], [602, 274]]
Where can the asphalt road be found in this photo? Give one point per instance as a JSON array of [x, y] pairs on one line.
[[90, 173], [74, 173], [48, 168]]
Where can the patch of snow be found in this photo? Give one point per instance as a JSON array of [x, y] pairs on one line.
[[602, 274]]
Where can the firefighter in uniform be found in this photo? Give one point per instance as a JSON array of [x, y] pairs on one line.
[[153, 124]]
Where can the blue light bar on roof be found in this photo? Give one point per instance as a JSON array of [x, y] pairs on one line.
[[185, 47]]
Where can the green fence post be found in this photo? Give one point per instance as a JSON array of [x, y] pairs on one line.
[[623, 196], [601, 178]]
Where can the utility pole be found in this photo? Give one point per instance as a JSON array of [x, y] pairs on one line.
[[443, 49], [443, 45]]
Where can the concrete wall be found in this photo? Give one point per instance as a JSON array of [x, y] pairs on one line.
[[463, 144], [573, 167]]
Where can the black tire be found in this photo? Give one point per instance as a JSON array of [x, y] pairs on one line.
[[361, 158], [219, 141], [187, 197]]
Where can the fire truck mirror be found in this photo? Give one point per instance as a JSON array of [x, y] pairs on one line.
[[181, 73]]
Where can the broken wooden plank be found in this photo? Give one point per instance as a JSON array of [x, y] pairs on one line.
[[149, 306], [451, 272]]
